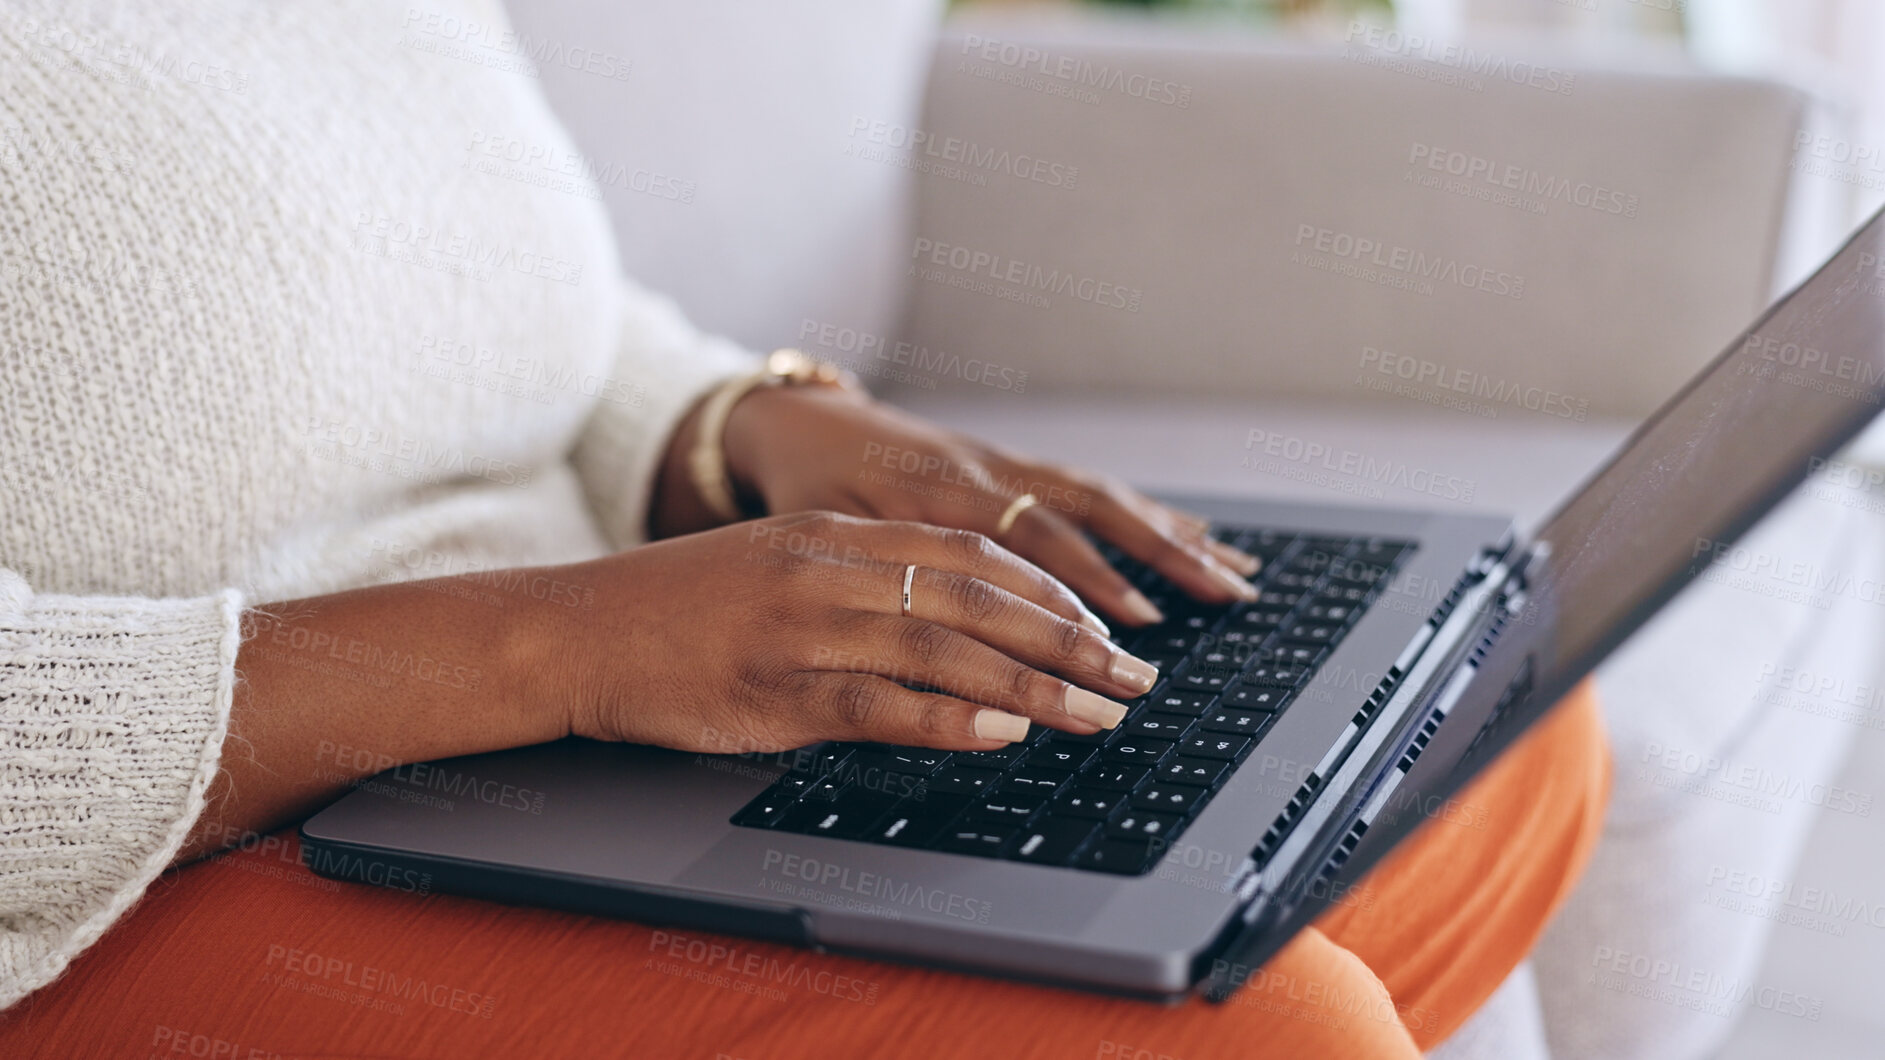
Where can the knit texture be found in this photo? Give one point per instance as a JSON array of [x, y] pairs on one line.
[[293, 298]]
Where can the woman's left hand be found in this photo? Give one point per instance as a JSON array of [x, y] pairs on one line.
[[822, 448]]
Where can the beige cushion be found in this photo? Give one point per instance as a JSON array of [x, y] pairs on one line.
[[1219, 221]]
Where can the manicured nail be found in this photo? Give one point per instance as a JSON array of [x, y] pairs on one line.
[[1140, 609], [1242, 562], [1093, 709], [1231, 579], [1092, 622], [1000, 725], [1133, 672]]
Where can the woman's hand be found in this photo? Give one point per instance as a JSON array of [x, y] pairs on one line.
[[809, 448], [763, 636], [772, 634]]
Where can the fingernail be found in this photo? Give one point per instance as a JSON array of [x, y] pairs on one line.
[[1093, 709], [1133, 671], [1000, 725], [1242, 562], [1092, 622], [1232, 580], [1140, 609]]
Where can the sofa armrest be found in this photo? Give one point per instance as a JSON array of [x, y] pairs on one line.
[[1104, 210]]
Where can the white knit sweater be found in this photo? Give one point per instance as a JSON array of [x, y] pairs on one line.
[[293, 297]]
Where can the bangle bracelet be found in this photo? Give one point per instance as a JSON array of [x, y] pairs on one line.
[[707, 462]]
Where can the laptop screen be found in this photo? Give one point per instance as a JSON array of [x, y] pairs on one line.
[[1752, 426]]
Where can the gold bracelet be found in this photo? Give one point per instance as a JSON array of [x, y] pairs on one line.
[[707, 461]]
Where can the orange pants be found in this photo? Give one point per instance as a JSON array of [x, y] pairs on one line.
[[249, 956]]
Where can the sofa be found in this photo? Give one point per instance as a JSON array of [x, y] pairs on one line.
[[1155, 247]]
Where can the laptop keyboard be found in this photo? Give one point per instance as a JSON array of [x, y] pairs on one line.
[[1112, 801]]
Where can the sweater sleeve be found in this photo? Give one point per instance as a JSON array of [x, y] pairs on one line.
[[663, 366], [112, 717]]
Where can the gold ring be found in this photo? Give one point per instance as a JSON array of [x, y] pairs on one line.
[[1013, 511], [909, 577]]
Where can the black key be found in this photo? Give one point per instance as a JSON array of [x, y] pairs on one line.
[[826, 790], [999, 758], [1094, 803], [1036, 781], [915, 822], [1168, 798], [1005, 808], [1266, 545], [1311, 560], [1381, 552], [1158, 726], [1222, 658], [1257, 697], [962, 780], [1134, 751], [764, 811], [1127, 857], [1345, 594], [832, 818], [1204, 772], [1266, 614], [792, 785], [1194, 622], [869, 774], [1168, 642], [826, 760], [1292, 581], [1117, 776], [1137, 824], [1052, 841], [1246, 722], [1204, 680], [855, 811], [1179, 701], [1277, 675], [1057, 755], [1321, 612], [1213, 746], [903, 759], [984, 841], [1073, 739], [1297, 654], [1321, 634]]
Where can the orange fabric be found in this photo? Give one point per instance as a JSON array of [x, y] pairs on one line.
[[248, 956]]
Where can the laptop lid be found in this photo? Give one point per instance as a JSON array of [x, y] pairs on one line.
[[1799, 384]]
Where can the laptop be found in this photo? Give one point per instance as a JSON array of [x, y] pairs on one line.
[[1289, 745]]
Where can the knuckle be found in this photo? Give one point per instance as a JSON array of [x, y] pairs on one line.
[[971, 548], [1068, 639], [976, 598], [1021, 681], [923, 641], [763, 675], [934, 724], [857, 702]]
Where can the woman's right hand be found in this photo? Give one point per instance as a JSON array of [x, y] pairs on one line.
[[773, 634]]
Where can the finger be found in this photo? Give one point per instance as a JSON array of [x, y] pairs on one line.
[[921, 652], [1242, 562], [863, 706], [979, 556], [1142, 531], [1041, 535], [1029, 633]]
